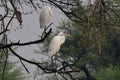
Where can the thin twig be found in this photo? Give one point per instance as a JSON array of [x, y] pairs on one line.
[[45, 29], [6, 12], [4, 65], [24, 66], [10, 21], [3, 31]]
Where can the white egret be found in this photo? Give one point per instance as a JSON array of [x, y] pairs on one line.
[[56, 43], [45, 16]]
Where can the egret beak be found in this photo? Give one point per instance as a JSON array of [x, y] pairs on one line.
[[66, 34]]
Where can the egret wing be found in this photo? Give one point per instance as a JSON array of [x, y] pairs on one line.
[[42, 18], [45, 16], [54, 46]]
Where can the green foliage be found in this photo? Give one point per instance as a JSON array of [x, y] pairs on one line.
[[117, 1], [11, 72], [95, 43], [109, 73]]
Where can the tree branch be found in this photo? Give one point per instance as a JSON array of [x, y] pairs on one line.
[[2, 46], [69, 13], [24, 66]]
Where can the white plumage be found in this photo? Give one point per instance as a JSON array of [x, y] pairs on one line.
[[45, 16], [55, 44]]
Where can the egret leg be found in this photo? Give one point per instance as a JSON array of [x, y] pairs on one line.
[[53, 59], [45, 27]]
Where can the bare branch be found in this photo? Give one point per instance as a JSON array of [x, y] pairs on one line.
[[3, 31], [24, 66], [2, 46]]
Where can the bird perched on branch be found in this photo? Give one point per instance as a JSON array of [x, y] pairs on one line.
[[56, 43], [45, 16]]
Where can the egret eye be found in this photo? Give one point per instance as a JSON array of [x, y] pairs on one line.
[[45, 16]]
